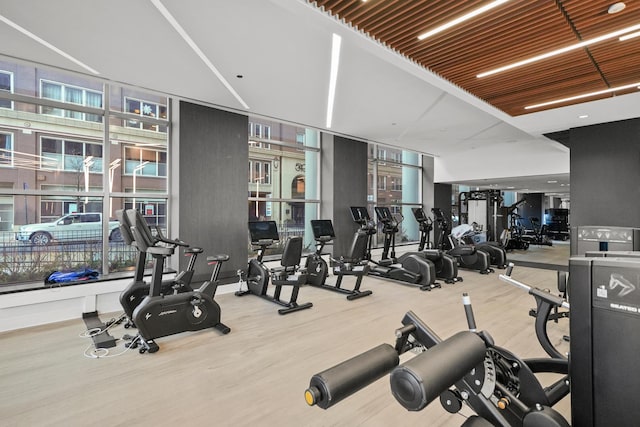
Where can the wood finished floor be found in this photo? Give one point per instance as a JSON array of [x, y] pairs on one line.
[[256, 375]]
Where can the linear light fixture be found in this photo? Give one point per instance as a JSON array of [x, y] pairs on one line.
[[333, 76], [560, 51], [629, 36], [584, 95], [46, 44], [176, 26], [461, 19]]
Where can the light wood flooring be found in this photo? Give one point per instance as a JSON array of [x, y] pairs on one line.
[[558, 254], [257, 374]]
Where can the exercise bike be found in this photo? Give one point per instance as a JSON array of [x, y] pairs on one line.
[[467, 368], [446, 266], [466, 255], [264, 234], [354, 264], [161, 315], [133, 294]]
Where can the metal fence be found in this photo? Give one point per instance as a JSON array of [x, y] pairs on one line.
[[24, 262]]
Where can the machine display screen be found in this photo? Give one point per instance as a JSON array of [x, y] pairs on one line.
[[263, 230], [418, 213], [360, 213], [322, 227], [383, 213], [438, 213]]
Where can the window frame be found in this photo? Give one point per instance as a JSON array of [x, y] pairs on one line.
[[70, 113], [11, 85], [64, 155], [8, 150], [140, 124], [156, 165]]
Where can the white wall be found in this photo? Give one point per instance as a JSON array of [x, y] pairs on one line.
[[56, 304], [522, 158]]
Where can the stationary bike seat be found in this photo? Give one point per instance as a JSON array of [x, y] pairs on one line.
[[190, 251], [217, 258]]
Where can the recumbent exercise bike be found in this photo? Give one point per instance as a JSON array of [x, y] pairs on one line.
[[353, 264], [263, 234]]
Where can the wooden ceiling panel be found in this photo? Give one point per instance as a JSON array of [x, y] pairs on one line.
[[514, 31], [591, 19]]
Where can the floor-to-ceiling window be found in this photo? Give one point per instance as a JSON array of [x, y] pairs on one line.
[[395, 181], [73, 150], [283, 181]]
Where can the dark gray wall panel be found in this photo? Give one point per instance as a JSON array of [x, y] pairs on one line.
[[427, 184], [533, 207], [605, 172], [213, 156], [344, 184], [441, 199]]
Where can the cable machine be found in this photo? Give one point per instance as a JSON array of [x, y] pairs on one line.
[[483, 208]]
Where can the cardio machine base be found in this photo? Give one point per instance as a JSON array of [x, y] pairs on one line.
[[446, 266], [318, 272], [258, 282]]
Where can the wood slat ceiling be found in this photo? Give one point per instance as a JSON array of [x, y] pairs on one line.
[[513, 31]]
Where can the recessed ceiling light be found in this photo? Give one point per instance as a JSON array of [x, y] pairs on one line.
[[629, 36], [616, 7], [333, 76], [46, 44], [461, 19], [583, 116], [584, 95], [510, 188], [560, 51], [552, 182]]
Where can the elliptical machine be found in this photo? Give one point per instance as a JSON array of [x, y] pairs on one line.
[[161, 315], [263, 234], [446, 265], [465, 233], [354, 264], [467, 256], [409, 268]]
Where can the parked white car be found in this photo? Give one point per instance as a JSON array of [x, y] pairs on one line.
[[76, 227]]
